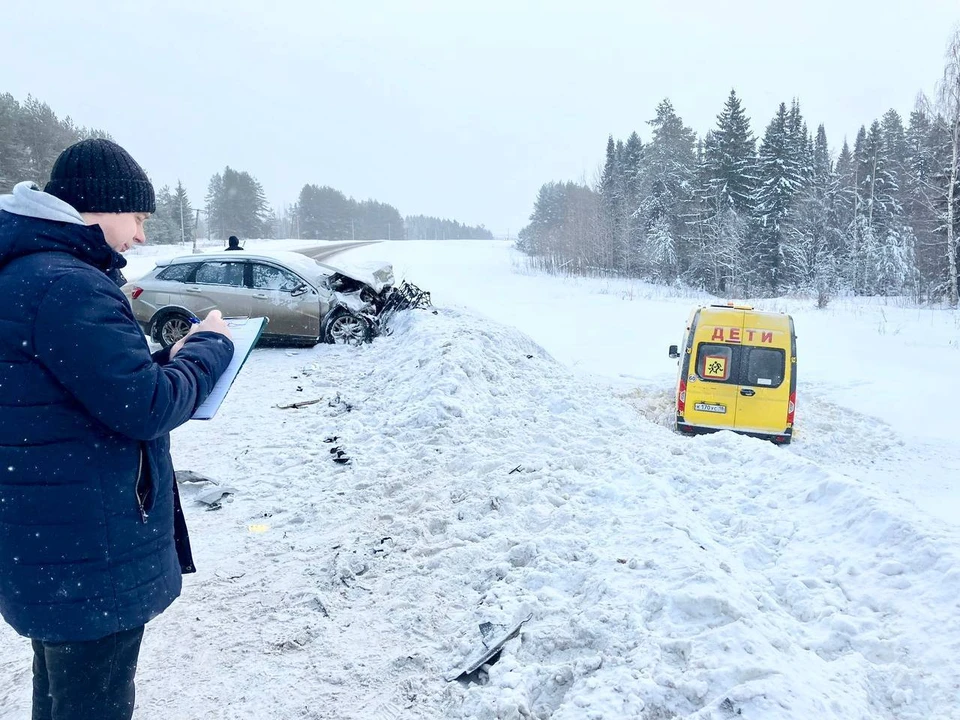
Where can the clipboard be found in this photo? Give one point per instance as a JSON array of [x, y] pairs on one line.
[[245, 332]]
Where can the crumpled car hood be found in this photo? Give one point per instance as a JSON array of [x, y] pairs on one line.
[[378, 275]]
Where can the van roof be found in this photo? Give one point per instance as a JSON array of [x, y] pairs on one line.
[[723, 314]]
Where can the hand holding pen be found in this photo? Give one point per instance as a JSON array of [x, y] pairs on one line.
[[214, 322]]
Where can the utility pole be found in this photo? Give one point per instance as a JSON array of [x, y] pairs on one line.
[[196, 225], [388, 231], [183, 237]]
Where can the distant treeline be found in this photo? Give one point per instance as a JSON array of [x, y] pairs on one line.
[[421, 227], [32, 136], [326, 213]]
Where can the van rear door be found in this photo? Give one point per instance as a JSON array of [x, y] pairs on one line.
[[714, 373], [764, 391]]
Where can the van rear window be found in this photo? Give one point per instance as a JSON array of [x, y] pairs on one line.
[[763, 367], [717, 363], [741, 365]]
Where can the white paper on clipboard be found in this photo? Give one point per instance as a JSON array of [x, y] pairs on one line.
[[244, 332]]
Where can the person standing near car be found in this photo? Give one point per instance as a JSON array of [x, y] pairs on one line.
[[233, 243], [92, 537]]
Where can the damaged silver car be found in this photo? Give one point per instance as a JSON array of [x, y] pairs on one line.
[[306, 301]]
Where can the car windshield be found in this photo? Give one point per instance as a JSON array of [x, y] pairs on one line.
[[305, 267]]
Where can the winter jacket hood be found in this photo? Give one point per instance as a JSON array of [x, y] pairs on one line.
[[28, 203]]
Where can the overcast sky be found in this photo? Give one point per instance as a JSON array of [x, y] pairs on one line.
[[455, 109]]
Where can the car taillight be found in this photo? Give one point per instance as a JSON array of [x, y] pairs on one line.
[[791, 409], [137, 291], [682, 397]]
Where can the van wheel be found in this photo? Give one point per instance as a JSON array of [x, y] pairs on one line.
[[171, 328], [342, 327]]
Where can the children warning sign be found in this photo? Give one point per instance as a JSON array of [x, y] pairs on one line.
[[715, 367]]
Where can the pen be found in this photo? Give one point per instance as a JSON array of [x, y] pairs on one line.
[[195, 320]]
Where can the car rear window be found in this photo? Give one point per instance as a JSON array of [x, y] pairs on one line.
[[221, 273], [763, 367], [177, 273]]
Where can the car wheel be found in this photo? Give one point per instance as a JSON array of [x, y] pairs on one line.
[[345, 328], [171, 329]]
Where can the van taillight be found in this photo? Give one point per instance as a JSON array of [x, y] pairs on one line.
[[791, 409], [682, 397], [137, 291]]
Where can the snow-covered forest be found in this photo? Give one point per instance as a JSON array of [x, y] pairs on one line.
[[736, 214]]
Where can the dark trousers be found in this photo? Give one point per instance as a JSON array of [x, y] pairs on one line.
[[91, 680]]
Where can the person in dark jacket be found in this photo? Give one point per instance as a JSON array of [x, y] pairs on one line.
[[233, 243], [92, 537]]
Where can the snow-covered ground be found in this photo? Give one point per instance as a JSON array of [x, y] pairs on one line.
[[510, 459]]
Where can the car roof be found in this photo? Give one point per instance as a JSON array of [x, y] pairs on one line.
[[286, 256], [294, 260], [298, 262]]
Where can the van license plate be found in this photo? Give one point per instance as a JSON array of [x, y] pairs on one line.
[[707, 407]]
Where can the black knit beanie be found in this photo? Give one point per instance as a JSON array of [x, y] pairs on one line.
[[100, 176]]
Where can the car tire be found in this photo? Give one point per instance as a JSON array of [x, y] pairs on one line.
[[342, 327], [170, 328]]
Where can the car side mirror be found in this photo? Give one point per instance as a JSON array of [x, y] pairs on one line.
[[674, 352], [300, 289]]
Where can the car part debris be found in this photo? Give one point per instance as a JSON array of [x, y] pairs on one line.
[[491, 647], [298, 405], [406, 296]]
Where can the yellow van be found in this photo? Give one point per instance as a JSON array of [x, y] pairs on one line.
[[738, 371]]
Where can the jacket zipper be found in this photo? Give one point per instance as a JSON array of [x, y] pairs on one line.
[[136, 487]]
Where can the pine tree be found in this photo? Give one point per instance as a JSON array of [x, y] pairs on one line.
[[813, 245], [183, 213], [662, 244], [725, 196], [632, 170], [561, 228], [920, 206], [163, 228], [611, 188], [13, 158], [730, 158], [237, 205], [886, 247], [325, 214], [216, 220], [845, 213], [782, 177], [668, 188]]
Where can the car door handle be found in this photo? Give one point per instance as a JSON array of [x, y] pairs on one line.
[[748, 392], [261, 296], [193, 290]]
